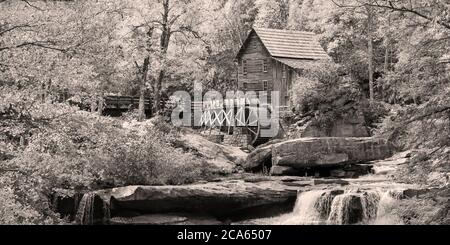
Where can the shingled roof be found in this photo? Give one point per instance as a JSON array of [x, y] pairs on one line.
[[296, 63], [290, 44]]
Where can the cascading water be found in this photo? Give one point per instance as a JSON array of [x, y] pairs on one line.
[[370, 205], [346, 209], [341, 207], [85, 214], [388, 200], [323, 204], [91, 209], [305, 211]]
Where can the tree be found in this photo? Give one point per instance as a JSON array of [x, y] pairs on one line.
[[370, 50], [272, 13], [68, 45], [350, 35], [225, 31], [409, 16], [239, 17], [143, 73], [295, 16], [431, 11], [171, 19]]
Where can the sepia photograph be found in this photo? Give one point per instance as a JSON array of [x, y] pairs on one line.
[[246, 114]]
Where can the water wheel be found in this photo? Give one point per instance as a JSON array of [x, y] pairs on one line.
[[247, 118], [244, 119]]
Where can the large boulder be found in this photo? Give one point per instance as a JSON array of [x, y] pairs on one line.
[[218, 199], [316, 152], [340, 128], [223, 158], [260, 156], [283, 171]]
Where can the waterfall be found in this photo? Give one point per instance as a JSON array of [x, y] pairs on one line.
[[305, 207], [85, 214], [370, 202], [323, 204], [388, 200], [351, 206], [346, 209], [305, 210], [91, 209]]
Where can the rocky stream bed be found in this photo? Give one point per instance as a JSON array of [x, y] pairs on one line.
[[334, 181]]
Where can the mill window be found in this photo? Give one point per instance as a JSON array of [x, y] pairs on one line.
[[264, 66], [265, 85], [244, 67]]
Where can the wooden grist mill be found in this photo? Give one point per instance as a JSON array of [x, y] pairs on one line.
[[269, 60], [236, 121]]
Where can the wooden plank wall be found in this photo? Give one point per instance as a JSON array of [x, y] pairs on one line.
[[254, 53]]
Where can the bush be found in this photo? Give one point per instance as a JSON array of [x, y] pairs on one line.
[[306, 95], [421, 211], [14, 212], [317, 79], [323, 92], [130, 115], [374, 113], [419, 126], [71, 150], [86, 151]]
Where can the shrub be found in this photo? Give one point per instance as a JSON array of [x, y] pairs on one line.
[[374, 113], [306, 95], [72, 150], [86, 151], [419, 126], [14, 212], [316, 80], [421, 211], [131, 114], [324, 93]]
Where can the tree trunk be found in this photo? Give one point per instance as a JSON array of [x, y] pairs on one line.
[[141, 105], [145, 68], [385, 68], [100, 104], [158, 87], [370, 51], [164, 45], [386, 56], [144, 74]]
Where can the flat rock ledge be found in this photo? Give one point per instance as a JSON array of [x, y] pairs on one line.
[[164, 219], [313, 152], [286, 157], [214, 199]]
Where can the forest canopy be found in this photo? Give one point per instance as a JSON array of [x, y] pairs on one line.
[[391, 55]]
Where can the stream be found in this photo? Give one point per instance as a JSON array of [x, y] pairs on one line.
[[352, 206], [256, 199], [366, 200]]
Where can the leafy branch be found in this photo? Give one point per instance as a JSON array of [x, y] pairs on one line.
[[393, 6]]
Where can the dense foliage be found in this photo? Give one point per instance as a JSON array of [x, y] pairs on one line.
[[390, 59], [48, 147]]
